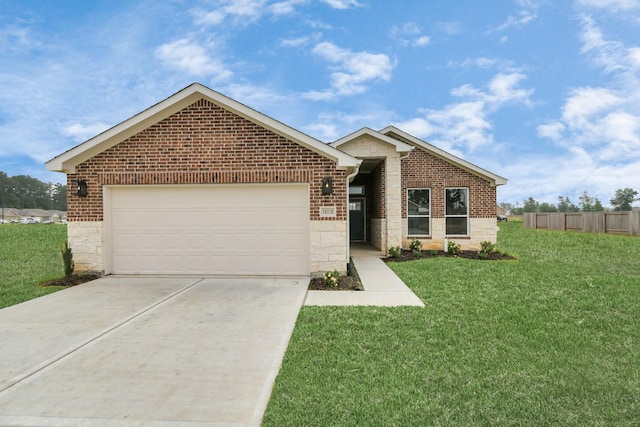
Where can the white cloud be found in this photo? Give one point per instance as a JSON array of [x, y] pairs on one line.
[[465, 125], [243, 12], [190, 57], [551, 130], [351, 71], [257, 97], [409, 34], [81, 132], [611, 55], [284, 7], [301, 41], [584, 103], [528, 13], [611, 5], [449, 28], [604, 119], [342, 4]]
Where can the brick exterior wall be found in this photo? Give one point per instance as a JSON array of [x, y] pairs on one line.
[[424, 170], [205, 144]]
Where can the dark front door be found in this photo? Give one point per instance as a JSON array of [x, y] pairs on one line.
[[357, 219]]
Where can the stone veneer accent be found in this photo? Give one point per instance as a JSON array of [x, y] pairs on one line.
[[379, 233], [480, 229], [328, 246], [368, 147], [86, 241]]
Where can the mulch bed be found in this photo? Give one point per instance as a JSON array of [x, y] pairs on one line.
[[73, 280], [345, 283], [410, 256]]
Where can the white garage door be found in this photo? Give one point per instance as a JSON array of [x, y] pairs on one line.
[[209, 229]]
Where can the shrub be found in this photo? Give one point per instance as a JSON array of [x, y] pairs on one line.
[[332, 278], [486, 249], [395, 251], [453, 248], [433, 252], [416, 247], [67, 259]]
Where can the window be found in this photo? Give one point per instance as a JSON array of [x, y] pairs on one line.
[[418, 211], [457, 211]]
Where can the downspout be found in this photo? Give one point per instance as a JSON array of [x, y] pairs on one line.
[[350, 177]]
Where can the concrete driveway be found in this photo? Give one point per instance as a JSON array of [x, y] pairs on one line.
[[147, 351]]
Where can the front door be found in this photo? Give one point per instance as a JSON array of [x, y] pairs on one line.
[[357, 210]]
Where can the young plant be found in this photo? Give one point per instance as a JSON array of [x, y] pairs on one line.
[[332, 278], [416, 247], [486, 249], [453, 248], [395, 251], [67, 259]]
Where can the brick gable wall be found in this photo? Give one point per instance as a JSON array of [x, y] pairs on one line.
[[424, 170], [205, 144]]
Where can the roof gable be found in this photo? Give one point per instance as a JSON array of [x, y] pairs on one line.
[[400, 146], [448, 157], [67, 161]]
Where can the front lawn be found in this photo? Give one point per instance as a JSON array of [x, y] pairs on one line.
[[29, 254], [550, 339]]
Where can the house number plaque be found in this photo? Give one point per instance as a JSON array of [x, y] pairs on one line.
[[327, 211]]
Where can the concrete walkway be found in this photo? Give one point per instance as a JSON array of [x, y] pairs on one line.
[[147, 351], [382, 287]]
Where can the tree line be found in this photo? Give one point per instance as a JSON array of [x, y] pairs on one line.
[[25, 192], [622, 201]]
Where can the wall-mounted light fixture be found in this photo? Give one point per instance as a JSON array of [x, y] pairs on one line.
[[82, 188], [327, 185]]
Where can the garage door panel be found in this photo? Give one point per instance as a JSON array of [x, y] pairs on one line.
[[239, 229]]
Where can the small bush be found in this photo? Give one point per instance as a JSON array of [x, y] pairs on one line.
[[433, 252], [67, 259], [395, 251], [453, 248], [416, 247], [332, 278], [486, 249]]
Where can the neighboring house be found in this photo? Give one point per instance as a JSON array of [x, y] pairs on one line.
[[12, 214], [202, 184], [44, 215]]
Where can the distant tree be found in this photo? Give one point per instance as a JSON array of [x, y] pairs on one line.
[[23, 191], [586, 202], [530, 205], [507, 206], [597, 206], [547, 207], [566, 205], [623, 199], [58, 194]]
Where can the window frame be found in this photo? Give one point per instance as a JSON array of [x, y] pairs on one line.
[[447, 216], [428, 216]]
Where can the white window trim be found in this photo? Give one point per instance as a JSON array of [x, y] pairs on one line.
[[456, 216], [418, 216]]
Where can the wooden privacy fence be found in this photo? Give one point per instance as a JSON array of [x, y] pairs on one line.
[[591, 222]]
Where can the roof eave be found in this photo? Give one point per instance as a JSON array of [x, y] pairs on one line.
[[495, 180], [67, 161]]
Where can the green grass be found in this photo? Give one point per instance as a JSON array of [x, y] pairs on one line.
[[550, 339], [29, 254]]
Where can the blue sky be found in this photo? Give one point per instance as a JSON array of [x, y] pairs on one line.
[[543, 92]]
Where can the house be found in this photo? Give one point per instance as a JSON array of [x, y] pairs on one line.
[[202, 184]]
